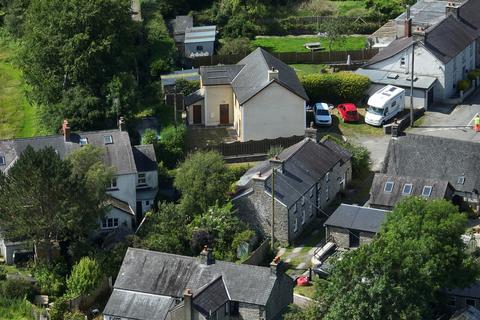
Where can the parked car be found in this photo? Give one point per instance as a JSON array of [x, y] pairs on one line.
[[322, 114], [384, 105], [348, 112]]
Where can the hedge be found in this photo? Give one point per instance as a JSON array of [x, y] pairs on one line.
[[463, 85], [335, 87], [474, 74]]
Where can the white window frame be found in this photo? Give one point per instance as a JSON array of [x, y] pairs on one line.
[[141, 179], [303, 200], [311, 193], [389, 190], [425, 188], [113, 183], [461, 180], [2, 161], [108, 139], [311, 210], [295, 225], [327, 193], [83, 141], [295, 207], [407, 185], [327, 176], [303, 217], [109, 223]]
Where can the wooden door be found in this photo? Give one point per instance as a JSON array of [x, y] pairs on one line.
[[197, 114], [224, 116]]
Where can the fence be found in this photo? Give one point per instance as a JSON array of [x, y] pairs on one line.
[[254, 147], [316, 57]]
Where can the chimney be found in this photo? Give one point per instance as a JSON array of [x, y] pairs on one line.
[[277, 164], [121, 124], [187, 304], [451, 8], [277, 266], [407, 24], [272, 74], [66, 130], [206, 256], [419, 34]]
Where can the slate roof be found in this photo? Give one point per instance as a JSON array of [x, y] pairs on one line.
[[435, 158], [448, 38], [194, 97], [118, 154], [211, 298], [393, 48], [357, 218], [468, 313], [473, 291], [138, 305], [220, 74], [254, 76], [304, 164], [469, 13], [378, 196], [426, 12], [120, 204], [169, 275], [179, 25], [145, 158]]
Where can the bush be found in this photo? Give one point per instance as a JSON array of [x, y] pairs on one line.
[[59, 308], [149, 137], [171, 145], [187, 87], [51, 278], [464, 85], [474, 74], [335, 87], [236, 46], [17, 289], [3, 273], [86, 275]]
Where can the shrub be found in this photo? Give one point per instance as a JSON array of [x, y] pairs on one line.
[[149, 137], [187, 87], [17, 289], [474, 74], [59, 308], [236, 46], [86, 275], [171, 145], [3, 273], [76, 315], [463, 85], [335, 87], [50, 278]]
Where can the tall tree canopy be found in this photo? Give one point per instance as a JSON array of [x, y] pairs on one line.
[[73, 50], [400, 275], [41, 200]]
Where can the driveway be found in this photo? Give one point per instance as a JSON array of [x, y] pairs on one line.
[[451, 122]]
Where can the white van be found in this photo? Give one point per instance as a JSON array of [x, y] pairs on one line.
[[384, 105]]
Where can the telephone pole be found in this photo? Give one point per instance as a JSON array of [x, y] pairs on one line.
[[272, 245], [411, 84]]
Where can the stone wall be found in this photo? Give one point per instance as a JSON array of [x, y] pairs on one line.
[[282, 296], [366, 237], [340, 236], [250, 311]]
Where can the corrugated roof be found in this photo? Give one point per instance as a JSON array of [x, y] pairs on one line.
[[378, 196], [435, 158], [357, 218], [200, 34], [138, 305]]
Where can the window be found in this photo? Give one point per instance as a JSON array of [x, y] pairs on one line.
[[311, 193], [327, 177], [402, 62], [147, 203], [295, 207], [108, 139], [452, 301], [83, 141], [327, 195], [295, 225], [311, 210], [319, 186], [470, 302], [407, 188], [303, 217], [388, 187], [394, 103], [142, 179], [199, 48], [113, 183], [109, 223], [2, 161], [461, 180], [303, 200], [427, 191]]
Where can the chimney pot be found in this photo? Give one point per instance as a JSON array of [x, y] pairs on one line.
[[206, 256], [272, 74], [121, 124], [276, 266]]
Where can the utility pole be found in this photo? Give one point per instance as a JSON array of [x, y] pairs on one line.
[[272, 245], [411, 84]]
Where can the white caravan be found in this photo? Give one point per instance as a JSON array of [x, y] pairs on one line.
[[384, 105]]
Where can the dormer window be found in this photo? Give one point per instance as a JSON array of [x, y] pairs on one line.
[[142, 179], [388, 187], [407, 189], [108, 139], [83, 141], [427, 191], [2, 160], [461, 180]]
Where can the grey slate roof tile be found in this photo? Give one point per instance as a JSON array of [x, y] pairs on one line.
[[194, 97], [145, 158], [357, 218], [211, 298]]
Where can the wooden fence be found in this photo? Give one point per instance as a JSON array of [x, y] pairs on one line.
[[252, 147], [317, 57]]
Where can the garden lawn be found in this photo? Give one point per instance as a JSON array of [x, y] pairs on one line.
[[304, 69], [18, 117], [297, 44]]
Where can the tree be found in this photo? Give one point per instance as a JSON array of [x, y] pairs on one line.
[[400, 275], [14, 15], [236, 46], [171, 145], [186, 87], [85, 277], [335, 32], [150, 137], [41, 200], [203, 179], [164, 230]]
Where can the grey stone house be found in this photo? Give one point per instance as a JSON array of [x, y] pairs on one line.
[[160, 286], [351, 226], [388, 189], [308, 177], [134, 184], [455, 161]]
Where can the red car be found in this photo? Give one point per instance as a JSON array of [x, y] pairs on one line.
[[348, 112]]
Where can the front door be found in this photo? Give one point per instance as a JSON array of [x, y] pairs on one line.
[[197, 114], [430, 97], [224, 116]]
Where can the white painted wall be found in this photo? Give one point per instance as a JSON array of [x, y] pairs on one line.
[[456, 69], [123, 218], [274, 112], [148, 193], [190, 111], [214, 97], [126, 190]]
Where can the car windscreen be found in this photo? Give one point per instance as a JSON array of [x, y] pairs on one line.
[[351, 113], [374, 110], [321, 112]]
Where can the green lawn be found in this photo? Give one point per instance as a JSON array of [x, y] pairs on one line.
[[18, 117], [15, 309], [297, 43], [306, 291], [304, 69]]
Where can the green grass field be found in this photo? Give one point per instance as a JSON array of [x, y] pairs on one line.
[[18, 117], [297, 44], [304, 69]]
